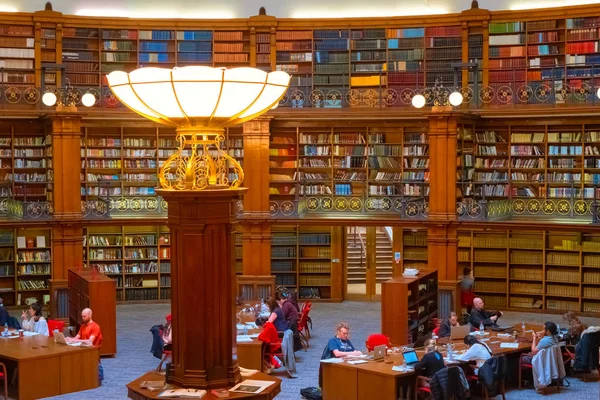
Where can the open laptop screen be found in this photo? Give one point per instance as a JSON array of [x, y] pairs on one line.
[[410, 357]]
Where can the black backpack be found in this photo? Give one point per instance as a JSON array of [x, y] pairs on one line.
[[311, 393]]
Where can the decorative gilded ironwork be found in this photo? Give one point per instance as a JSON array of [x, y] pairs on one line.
[[467, 94], [151, 204], [316, 97], [355, 204], [519, 206], [533, 206], [353, 97], [327, 203], [580, 207], [13, 94], [543, 93], [370, 97], [110, 99], [273, 207], [475, 210], [121, 204], [164, 205], [583, 92], [389, 97], [406, 96], [412, 209], [524, 93], [504, 94], [548, 207], [136, 204], [486, 94], [386, 204], [461, 209], [334, 98], [563, 207], [371, 204], [31, 95], [297, 98], [398, 205], [564, 92], [341, 204], [287, 208]]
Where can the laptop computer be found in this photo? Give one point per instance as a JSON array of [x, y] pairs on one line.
[[59, 338], [459, 332], [410, 357], [379, 352]]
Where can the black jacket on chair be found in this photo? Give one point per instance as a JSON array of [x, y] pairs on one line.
[[157, 342], [448, 382], [493, 372], [586, 351]]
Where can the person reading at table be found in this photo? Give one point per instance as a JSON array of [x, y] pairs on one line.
[[480, 315], [340, 345], [547, 338], [478, 352], [432, 362], [447, 324], [277, 317], [36, 323], [89, 334]]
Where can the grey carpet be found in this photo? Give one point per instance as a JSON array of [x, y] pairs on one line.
[[134, 358]]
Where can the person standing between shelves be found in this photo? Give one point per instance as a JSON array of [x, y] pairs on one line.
[[466, 289], [89, 334], [447, 324], [479, 315], [36, 323]]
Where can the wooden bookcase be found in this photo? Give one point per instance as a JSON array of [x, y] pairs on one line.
[[137, 258], [408, 306], [90, 289], [17, 54], [540, 270]]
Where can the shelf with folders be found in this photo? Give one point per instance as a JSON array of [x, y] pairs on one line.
[[81, 56], [231, 48], [25, 265], [507, 52], [157, 48], [406, 55], [544, 270], [25, 163], [294, 55], [368, 58], [138, 258], [17, 54], [443, 46], [301, 260], [581, 51], [331, 65], [125, 162]]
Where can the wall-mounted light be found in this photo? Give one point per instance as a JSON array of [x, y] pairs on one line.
[[440, 96], [418, 101], [67, 97]]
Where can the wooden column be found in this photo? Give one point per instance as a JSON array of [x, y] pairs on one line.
[[67, 235], [442, 241], [202, 287], [256, 230]]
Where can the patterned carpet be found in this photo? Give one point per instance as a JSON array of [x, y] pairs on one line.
[[134, 358]]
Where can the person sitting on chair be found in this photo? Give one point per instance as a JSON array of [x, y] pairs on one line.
[[89, 334], [480, 315], [431, 362], [277, 317], [447, 324], [167, 333], [576, 327], [340, 345], [547, 338], [36, 323], [478, 352]]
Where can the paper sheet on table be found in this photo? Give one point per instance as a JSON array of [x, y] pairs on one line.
[[253, 336], [361, 356], [356, 362], [400, 368], [504, 335], [509, 345], [449, 361], [332, 360], [240, 326], [251, 325], [244, 339], [27, 333]]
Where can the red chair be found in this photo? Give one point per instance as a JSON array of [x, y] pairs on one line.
[[305, 310], [55, 325], [4, 377], [377, 339], [523, 366], [436, 331], [302, 328], [166, 354]]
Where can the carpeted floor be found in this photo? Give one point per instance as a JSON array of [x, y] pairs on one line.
[[134, 358]]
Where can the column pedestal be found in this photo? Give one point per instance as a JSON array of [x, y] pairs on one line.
[[202, 287]]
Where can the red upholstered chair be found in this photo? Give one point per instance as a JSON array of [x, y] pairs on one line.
[[4, 377], [436, 331], [303, 329], [522, 367], [377, 339], [166, 355], [55, 325]]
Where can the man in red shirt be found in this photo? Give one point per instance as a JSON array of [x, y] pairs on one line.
[[90, 335]]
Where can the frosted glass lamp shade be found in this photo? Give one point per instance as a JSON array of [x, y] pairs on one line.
[[418, 101], [49, 99], [598, 93], [88, 100], [199, 96], [455, 99]]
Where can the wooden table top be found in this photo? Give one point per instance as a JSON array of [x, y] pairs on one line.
[[269, 393], [494, 342], [38, 346]]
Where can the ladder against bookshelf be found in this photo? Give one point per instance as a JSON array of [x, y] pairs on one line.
[[81, 55], [331, 66], [194, 47], [408, 305], [17, 54], [156, 48], [90, 289], [231, 48], [137, 258], [294, 55], [405, 59]]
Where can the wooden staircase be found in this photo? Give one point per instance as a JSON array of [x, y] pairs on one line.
[[357, 258]]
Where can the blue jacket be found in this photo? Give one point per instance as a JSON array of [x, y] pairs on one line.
[[157, 342]]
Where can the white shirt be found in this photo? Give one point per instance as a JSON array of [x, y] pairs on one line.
[[40, 326], [477, 352]]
